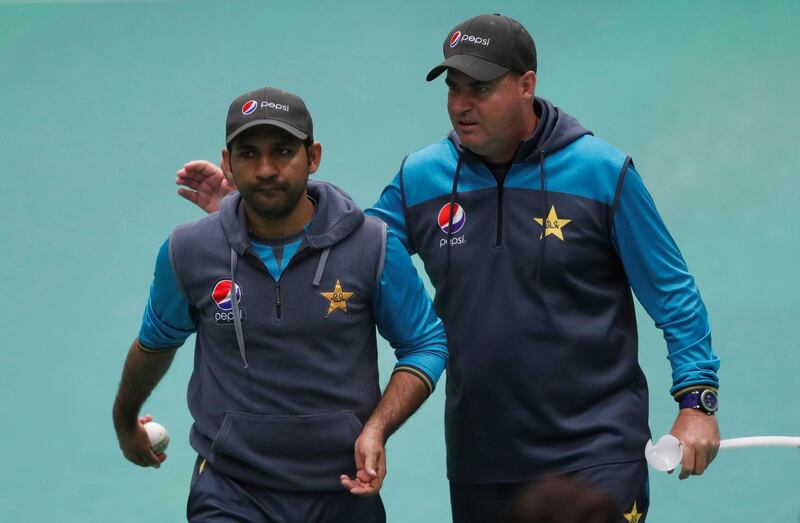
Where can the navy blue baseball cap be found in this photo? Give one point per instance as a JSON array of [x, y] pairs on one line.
[[486, 47]]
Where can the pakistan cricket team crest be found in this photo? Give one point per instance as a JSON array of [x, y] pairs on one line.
[[552, 224], [337, 299]]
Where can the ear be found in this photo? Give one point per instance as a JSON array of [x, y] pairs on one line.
[[225, 165], [314, 157], [527, 83]]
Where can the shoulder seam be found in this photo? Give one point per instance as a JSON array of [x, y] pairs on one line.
[[382, 255], [174, 267], [405, 205], [617, 193]]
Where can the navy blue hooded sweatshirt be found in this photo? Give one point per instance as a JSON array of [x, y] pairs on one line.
[[280, 396], [533, 275]]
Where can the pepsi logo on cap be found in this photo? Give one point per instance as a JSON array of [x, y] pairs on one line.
[[249, 107], [222, 294], [455, 39], [459, 218]]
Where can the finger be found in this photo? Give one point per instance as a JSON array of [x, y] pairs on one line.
[[371, 462], [353, 485], [359, 457], [687, 463], [151, 459], [712, 452], [188, 182], [147, 418], [192, 196], [197, 177], [382, 466], [161, 457], [364, 476], [364, 491], [202, 167], [138, 459], [347, 482], [135, 459], [700, 462]]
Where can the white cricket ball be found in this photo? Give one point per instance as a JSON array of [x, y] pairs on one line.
[[159, 439]]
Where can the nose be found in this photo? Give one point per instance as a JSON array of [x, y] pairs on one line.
[[266, 167], [459, 103]]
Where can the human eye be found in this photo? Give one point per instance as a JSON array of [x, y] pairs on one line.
[[246, 154]]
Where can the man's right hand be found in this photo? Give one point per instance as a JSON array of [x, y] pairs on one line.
[[135, 445], [205, 184]]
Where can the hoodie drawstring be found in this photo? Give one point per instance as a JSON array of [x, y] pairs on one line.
[[539, 264], [237, 321], [451, 207], [323, 259]]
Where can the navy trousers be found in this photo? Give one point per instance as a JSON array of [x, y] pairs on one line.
[[626, 484], [215, 497]]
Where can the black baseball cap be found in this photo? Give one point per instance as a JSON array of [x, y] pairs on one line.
[[486, 47], [269, 106]]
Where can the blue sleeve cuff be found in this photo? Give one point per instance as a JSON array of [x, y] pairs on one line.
[[423, 377]]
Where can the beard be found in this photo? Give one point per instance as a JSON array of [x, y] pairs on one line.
[[281, 204]]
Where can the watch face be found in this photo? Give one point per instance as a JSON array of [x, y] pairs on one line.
[[709, 400]]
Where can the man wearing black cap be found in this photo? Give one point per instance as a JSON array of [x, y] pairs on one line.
[[543, 229], [284, 287], [552, 228]]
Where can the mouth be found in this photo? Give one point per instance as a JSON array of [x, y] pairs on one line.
[[467, 125], [270, 189]]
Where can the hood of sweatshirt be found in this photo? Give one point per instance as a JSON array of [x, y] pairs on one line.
[[556, 130], [336, 217]]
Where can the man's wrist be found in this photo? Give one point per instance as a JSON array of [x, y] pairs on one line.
[[702, 399], [376, 429]]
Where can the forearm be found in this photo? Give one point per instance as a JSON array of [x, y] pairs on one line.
[[140, 375], [402, 397]]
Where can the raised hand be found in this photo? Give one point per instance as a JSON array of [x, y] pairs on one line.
[[204, 184]]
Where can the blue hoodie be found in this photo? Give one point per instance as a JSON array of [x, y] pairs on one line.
[[533, 275]]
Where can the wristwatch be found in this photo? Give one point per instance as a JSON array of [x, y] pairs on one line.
[[701, 399]]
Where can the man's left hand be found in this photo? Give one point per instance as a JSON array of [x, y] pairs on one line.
[[370, 455], [698, 433]]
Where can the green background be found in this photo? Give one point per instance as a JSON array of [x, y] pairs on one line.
[[100, 103]]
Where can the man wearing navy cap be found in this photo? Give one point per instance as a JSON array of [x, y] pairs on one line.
[[552, 228], [284, 287]]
